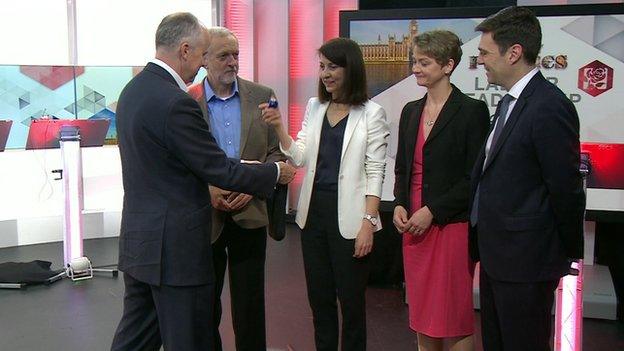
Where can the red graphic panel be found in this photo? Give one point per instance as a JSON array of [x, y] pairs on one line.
[[52, 76], [606, 165], [595, 78], [45, 134]]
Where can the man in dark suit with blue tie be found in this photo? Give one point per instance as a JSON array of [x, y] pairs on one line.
[[528, 201], [168, 158]]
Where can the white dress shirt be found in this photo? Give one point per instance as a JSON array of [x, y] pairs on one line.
[[171, 71], [515, 92]]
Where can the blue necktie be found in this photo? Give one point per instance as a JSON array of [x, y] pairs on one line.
[[501, 119], [501, 115]]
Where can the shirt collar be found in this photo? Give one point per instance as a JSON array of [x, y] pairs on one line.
[[517, 88], [210, 93], [171, 71]]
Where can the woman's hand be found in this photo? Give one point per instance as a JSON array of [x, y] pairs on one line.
[[400, 219], [364, 239], [271, 116], [420, 221]]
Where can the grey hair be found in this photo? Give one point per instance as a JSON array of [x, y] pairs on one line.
[[176, 28], [219, 32]]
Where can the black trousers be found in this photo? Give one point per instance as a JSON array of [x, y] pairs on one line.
[[609, 246], [244, 252], [332, 272], [176, 317], [516, 316]]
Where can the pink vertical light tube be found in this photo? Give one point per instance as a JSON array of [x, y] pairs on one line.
[[569, 312], [73, 190]]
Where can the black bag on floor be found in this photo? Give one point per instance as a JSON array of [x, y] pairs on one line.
[[34, 272]]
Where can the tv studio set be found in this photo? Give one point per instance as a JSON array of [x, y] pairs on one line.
[[382, 175]]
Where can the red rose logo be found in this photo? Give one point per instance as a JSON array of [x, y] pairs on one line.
[[595, 78]]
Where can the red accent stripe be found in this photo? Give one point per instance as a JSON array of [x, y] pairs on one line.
[[238, 17], [331, 14]]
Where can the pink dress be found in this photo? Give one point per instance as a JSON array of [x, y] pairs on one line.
[[438, 270]]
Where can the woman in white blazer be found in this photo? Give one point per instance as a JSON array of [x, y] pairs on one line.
[[342, 145]]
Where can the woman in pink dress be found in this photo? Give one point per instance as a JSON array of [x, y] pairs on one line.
[[439, 138]]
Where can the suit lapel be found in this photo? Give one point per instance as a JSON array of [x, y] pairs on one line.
[[513, 118], [247, 112], [203, 104], [355, 115], [450, 108], [411, 134], [478, 167], [317, 124]]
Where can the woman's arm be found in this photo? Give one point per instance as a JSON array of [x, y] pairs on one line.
[[374, 167], [401, 202], [364, 238], [376, 145], [294, 150], [400, 166]]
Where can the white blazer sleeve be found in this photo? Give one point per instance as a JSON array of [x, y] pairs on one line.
[[296, 151], [375, 163]]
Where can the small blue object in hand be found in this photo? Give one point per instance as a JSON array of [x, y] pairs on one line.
[[273, 102]]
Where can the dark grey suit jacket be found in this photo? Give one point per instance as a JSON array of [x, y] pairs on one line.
[[168, 157]]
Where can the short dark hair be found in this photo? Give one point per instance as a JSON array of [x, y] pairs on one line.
[[441, 45], [345, 53], [176, 28], [515, 25]]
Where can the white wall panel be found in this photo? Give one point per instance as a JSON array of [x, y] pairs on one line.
[[34, 32], [121, 32]]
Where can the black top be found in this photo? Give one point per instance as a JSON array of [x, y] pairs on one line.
[[329, 153]]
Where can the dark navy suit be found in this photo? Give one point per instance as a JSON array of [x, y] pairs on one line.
[[530, 217], [168, 158]]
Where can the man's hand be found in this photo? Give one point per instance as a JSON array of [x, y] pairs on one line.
[[287, 172], [218, 198], [236, 201]]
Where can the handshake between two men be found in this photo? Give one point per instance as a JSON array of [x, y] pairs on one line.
[[228, 201]]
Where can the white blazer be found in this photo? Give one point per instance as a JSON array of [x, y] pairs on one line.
[[362, 164]]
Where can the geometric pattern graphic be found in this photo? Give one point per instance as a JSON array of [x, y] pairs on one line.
[[595, 78], [92, 101], [52, 76], [29, 92], [24, 100], [110, 116], [605, 33], [13, 94]]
